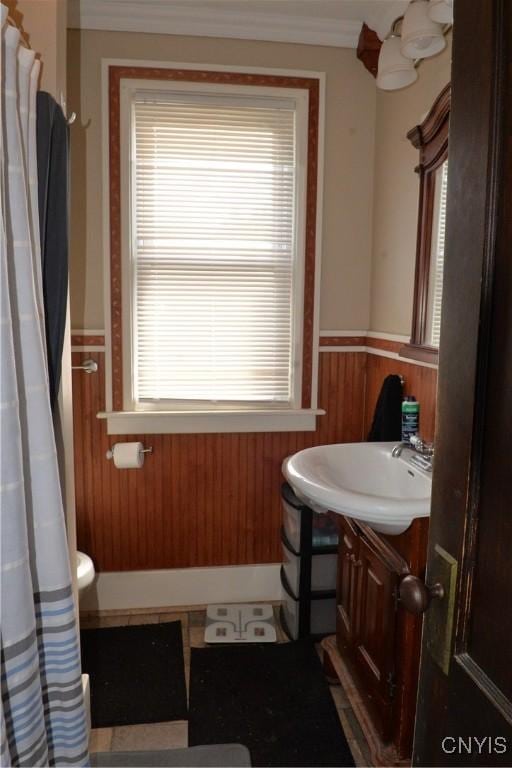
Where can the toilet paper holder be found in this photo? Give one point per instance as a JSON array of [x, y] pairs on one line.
[[109, 454]]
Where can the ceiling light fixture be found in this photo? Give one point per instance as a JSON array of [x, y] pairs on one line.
[[395, 71], [421, 35], [441, 11]]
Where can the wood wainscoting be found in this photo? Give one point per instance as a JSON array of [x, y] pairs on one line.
[[419, 380], [199, 500], [213, 499]]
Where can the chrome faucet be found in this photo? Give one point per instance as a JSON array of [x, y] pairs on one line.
[[422, 446], [416, 444]]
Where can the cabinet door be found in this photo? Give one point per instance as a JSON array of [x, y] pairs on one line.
[[376, 629], [347, 584]]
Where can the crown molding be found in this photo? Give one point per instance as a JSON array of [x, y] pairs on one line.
[[383, 14], [179, 18]]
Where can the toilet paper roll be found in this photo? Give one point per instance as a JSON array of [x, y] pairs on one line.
[[128, 455]]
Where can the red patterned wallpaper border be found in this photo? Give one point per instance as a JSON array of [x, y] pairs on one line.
[[116, 74], [87, 340], [342, 341]]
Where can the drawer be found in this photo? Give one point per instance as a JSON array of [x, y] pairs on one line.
[[299, 522], [323, 616], [290, 616], [323, 571], [325, 531], [292, 519], [322, 621]]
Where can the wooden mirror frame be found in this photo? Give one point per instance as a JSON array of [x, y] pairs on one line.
[[431, 139]]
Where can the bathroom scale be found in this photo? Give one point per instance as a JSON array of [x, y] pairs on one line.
[[240, 623]]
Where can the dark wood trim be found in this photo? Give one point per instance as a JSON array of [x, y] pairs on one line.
[[384, 344], [368, 49], [421, 353], [432, 128], [311, 84], [431, 139], [391, 554], [471, 491]]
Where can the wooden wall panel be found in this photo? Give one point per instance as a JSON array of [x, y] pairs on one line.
[[205, 500], [199, 500], [419, 381]]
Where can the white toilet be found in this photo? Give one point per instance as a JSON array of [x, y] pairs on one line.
[[85, 576], [84, 571]]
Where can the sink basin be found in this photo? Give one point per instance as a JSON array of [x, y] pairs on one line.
[[363, 481]]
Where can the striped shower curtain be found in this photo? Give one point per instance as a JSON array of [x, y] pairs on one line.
[[42, 716]]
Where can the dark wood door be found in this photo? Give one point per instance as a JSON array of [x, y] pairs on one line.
[[464, 714], [347, 584]]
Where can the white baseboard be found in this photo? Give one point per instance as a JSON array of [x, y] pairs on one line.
[[183, 586]]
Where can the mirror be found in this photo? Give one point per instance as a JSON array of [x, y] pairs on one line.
[[431, 139]]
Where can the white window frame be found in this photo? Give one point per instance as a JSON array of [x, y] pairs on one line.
[[294, 99], [133, 419], [432, 293]]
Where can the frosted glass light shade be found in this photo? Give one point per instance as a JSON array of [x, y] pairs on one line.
[[421, 36], [395, 71], [441, 11]]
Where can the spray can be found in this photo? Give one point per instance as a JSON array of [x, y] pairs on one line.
[[410, 418]]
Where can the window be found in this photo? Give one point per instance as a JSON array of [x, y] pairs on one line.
[[435, 288], [216, 259], [216, 274], [431, 138]]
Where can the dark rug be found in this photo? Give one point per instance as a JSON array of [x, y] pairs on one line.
[[274, 699], [137, 674]]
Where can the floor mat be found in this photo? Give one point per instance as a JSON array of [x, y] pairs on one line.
[[137, 674], [272, 698]]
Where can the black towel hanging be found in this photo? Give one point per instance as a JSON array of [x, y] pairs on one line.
[[387, 419], [52, 168]]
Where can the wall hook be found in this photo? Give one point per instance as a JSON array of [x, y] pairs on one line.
[[71, 119]]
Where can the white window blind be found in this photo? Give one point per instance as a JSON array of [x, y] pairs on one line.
[[437, 262], [213, 258]]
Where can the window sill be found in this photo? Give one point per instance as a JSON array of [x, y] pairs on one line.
[[203, 422]]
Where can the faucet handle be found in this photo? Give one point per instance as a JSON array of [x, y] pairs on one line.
[[421, 446], [416, 442]]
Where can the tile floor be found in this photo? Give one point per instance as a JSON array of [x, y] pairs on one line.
[[175, 733]]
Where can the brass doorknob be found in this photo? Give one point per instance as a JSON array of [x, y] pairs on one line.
[[415, 595]]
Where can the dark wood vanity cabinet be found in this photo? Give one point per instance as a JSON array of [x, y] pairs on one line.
[[378, 640], [346, 592]]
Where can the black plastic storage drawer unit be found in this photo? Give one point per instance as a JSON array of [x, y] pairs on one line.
[[308, 573]]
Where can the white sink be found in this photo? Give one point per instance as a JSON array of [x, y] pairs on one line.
[[364, 481]]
